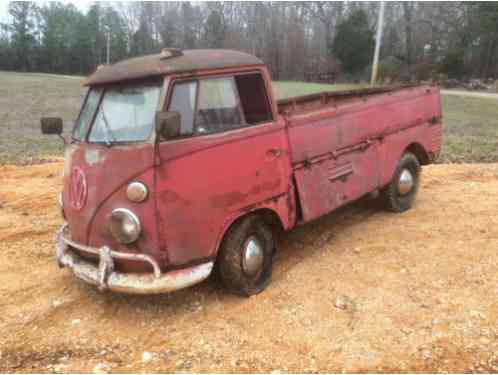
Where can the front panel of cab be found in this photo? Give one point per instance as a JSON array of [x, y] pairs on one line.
[[95, 183]]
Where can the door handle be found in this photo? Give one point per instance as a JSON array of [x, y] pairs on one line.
[[275, 152]]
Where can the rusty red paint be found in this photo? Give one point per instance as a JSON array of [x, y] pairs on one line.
[[77, 191], [190, 61], [318, 152]]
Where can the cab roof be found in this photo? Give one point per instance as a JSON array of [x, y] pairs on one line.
[[170, 61]]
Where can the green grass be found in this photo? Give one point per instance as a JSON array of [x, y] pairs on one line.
[[470, 129], [285, 89], [470, 124], [24, 98]]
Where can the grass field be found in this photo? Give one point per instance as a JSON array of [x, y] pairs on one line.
[[24, 98], [471, 124], [471, 129], [285, 89]]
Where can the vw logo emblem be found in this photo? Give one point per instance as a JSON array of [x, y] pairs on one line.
[[77, 188]]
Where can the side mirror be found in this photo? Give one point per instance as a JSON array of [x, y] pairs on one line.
[[51, 125], [168, 125]]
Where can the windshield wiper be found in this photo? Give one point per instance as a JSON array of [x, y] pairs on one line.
[[107, 130]]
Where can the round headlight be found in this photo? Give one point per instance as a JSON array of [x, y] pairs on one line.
[[124, 225], [136, 192]]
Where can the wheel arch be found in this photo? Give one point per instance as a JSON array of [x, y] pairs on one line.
[[269, 215], [419, 151]]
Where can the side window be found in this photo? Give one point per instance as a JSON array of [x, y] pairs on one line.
[[252, 92], [218, 108], [183, 101]]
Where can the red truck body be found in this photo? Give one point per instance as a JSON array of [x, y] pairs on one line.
[[301, 158]]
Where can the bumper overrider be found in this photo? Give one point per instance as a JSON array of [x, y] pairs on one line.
[[106, 278]]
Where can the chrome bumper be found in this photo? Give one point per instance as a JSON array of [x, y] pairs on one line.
[[106, 278]]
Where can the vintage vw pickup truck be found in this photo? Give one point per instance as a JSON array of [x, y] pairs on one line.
[[183, 163]]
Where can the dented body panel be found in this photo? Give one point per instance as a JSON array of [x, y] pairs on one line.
[[313, 154], [345, 146]]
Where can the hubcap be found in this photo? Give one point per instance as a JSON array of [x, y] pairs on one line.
[[252, 260], [406, 181]]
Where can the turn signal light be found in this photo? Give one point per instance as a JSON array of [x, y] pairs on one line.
[[137, 192]]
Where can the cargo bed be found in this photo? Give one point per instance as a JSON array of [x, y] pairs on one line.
[[311, 102]]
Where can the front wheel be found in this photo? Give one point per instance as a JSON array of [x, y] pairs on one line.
[[400, 194], [245, 258]]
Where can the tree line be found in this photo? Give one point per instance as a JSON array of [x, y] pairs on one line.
[[293, 38]]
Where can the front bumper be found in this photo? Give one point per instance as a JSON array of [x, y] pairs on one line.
[[106, 278]]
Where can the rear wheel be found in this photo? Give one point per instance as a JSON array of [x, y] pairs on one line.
[[400, 194], [245, 258]]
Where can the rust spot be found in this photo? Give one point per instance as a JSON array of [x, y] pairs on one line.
[[265, 186], [191, 61], [228, 199], [92, 156], [254, 206], [169, 196], [291, 203]]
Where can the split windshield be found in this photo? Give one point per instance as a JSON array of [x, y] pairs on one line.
[[125, 113], [85, 118]]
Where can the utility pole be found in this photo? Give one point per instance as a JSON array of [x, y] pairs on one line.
[[378, 39], [108, 34]]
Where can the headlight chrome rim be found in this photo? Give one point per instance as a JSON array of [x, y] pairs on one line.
[[137, 192], [116, 226]]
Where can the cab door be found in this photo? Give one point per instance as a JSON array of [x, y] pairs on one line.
[[231, 154]]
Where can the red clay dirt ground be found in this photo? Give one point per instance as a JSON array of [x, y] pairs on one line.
[[358, 290]]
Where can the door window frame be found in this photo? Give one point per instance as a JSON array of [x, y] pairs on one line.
[[237, 99], [169, 98], [269, 107], [175, 80]]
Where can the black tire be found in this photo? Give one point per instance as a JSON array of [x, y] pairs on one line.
[[394, 201], [230, 267]]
